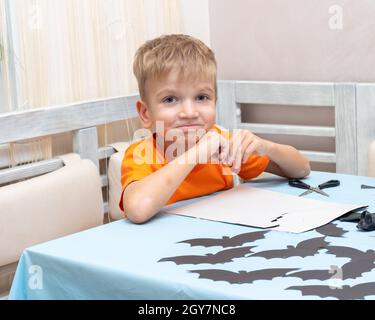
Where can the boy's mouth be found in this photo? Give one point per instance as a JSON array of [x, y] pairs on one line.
[[189, 126]]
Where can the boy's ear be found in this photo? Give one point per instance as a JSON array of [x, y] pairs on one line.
[[144, 114]]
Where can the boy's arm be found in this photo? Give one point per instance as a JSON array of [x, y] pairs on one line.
[[285, 160], [144, 198]]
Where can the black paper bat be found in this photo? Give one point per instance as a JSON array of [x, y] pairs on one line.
[[220, 257], [361, 262], [352, 253], [356, 292], [312, 274], [226, 241], [331, 230], [304, 249], [241, 276], [351, 216]]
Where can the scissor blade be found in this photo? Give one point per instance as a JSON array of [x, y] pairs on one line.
[[320, 191], [305, 193]]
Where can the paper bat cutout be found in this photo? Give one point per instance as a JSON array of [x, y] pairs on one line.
[[312, 274], [226, 241], [350, 270], [356, 292], [351, 216], [348, 252], [220, 257], [304, 249], [361, 262], [241, 276], [331, 230]]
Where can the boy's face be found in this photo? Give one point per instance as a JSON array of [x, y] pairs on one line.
[[182, 104]]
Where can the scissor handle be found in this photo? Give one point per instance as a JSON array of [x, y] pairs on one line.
[[298, 184], [329, 184], [364, 186]]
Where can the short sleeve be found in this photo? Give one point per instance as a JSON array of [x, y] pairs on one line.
[[133, 168], [254, 166]]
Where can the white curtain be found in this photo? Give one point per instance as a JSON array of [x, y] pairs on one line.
[[77, 50], [5, 96], [73, 50]]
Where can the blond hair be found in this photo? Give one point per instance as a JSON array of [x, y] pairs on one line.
[[188, 55]]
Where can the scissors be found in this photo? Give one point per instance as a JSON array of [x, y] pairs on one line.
[[300, 184], [364, 186]]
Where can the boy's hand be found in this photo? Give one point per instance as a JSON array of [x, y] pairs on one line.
[[211, 148], [242, 145]]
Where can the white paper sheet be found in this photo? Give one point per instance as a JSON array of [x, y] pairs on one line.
[[265, 209]]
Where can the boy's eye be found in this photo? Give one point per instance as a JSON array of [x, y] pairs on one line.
[[169, 99], [202, 97]]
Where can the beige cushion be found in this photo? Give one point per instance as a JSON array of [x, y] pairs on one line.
[[114, 180], [50, 206]]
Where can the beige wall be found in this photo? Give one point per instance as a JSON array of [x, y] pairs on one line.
[[195, 15], [292, 40]]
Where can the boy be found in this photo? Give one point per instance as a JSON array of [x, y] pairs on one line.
[[176, 76]]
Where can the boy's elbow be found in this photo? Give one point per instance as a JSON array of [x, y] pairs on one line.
[[137, 219], [304, 172], [301, 173], [307, 168], [139, 212]]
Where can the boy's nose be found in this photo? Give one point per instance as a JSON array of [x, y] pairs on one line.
[[188, 110]]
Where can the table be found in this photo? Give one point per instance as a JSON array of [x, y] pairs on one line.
[[121, 260]]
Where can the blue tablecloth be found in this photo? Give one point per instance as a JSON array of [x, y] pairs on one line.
[[121, 260]]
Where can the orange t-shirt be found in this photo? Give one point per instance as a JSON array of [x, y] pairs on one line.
[[204, 179]]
